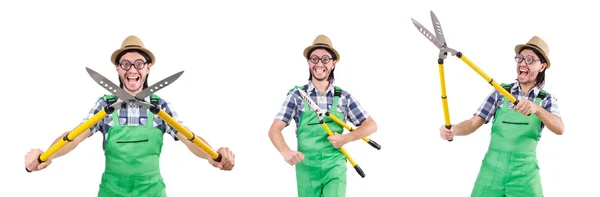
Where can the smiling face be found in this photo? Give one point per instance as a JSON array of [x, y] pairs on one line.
[[320, 64], [133, 70], [528, 67]]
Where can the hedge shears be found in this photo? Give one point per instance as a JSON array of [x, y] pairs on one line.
[[439, 41], [139, 100], [125, 99], [321, 114]]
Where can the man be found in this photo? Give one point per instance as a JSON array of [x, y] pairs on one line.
[[510, 165], [132, 137], [320, 166]]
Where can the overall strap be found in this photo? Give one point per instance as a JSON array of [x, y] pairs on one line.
[[111, 99], [154, 101], [540, 96], [336, 96], [505, 100], [305, 87]]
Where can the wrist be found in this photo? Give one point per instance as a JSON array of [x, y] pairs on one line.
[[284, 151], [349, 137], [538, 110]]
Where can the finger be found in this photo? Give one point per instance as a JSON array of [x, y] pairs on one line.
[[296, 159], [225, 166], [31, 167], [523, 110], [44, 165], [448, 136], [449, 131], [212, 163], [227, 155], [227, 163], [300, 156], [445, 137], [230, 161], [32, 164]]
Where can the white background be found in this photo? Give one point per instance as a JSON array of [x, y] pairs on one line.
[[385, 62]]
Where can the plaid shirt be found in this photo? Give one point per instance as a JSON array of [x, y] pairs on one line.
[[487, 110], [132, 116], [293, 108]]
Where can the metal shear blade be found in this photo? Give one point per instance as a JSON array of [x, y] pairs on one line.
[[438, 39], [437, 26], [306, 98], [125, 97], [428, 34]]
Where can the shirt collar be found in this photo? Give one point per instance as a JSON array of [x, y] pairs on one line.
[[517, 88], [311, 87]]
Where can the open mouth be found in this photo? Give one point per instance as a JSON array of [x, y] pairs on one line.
[[132, 78], [523, 72], [319, 71]]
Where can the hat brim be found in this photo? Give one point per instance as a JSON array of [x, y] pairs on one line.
[[521, 46], [114, 55], [309, 48]]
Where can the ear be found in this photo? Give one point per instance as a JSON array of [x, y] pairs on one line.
[[543, 67]]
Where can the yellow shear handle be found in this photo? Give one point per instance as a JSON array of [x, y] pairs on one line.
[[356, 167], [366, 139], [73, 134], [444, 96], [495, 84], [189, 135]]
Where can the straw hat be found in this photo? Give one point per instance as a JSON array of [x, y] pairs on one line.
[[321, 41], [539, 45], [132, 42]]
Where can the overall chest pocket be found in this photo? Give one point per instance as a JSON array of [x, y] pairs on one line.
[[131, 141], [515, 122]]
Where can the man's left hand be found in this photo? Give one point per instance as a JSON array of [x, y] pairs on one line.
[[227, 159], [338, 140], [526, 107]]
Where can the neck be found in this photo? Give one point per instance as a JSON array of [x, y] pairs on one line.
[[526, 87], [321, 86], [132, 93]]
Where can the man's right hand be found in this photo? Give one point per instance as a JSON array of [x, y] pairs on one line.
[[32, 163], [293, 157], [447, 134]]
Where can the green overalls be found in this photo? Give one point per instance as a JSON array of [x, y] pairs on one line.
[[510, 166], [132, 160], [322, 173]]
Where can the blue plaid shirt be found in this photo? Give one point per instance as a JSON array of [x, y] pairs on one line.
[[487, 110], [293, 108], [132, 116]]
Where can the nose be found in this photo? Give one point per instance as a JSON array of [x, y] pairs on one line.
[[320, 63]]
